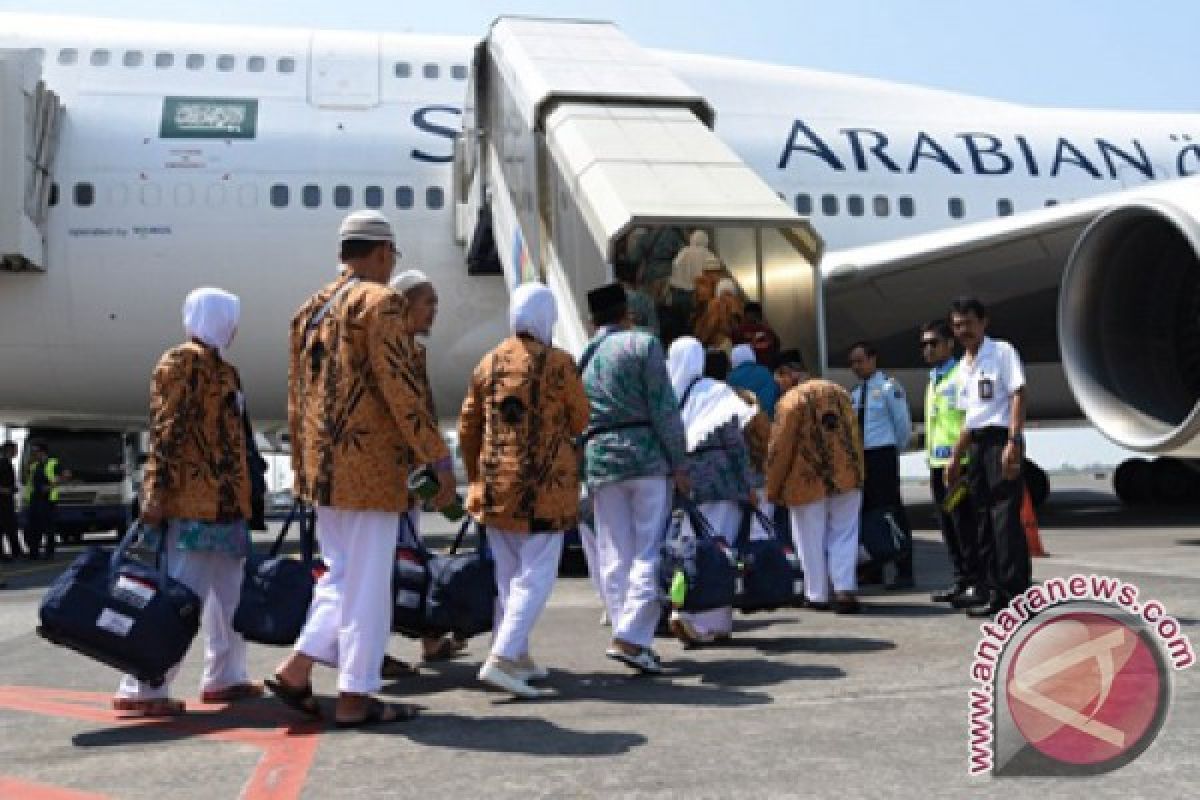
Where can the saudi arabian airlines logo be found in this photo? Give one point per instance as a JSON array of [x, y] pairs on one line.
[[1074, 678]]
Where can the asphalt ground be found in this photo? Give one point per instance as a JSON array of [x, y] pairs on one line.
[[798, 704]]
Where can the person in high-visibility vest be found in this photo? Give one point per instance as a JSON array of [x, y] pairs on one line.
[[943, 426], [41, 500]]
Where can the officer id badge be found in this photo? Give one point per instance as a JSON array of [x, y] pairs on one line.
[[987, 389]]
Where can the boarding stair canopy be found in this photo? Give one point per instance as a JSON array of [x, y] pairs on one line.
[[30, 119], [574, 136]]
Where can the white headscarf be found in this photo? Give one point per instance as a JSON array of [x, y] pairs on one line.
[[711, 403], [211, 315], [533, 310], [742, 354]]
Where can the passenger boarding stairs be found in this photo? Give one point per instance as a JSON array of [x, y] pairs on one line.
[[30, 119], [573, 136]]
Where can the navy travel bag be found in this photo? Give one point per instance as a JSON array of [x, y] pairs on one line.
[[880, 536], [697, 570], [277, 590], [766, 578], [122, 612], [437, 594]]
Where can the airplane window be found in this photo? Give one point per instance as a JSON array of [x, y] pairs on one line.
[[343, 196], [310, 195], [286, 65], [404, 197], [882, 206], [194, 61], [279, 195], [100, 58], [804, 204], [434, 197], [430, 71], [256, 64], [373, 197], [53, 199], [1004, 207], [133, 58], [906, 206], [68, 56], [829, 205], [150, 195], [185, 195], [164, 60], [957, 209], [1051, 202], [855, 205], [226, 63], [85, 194], [458, 72], [403, 69]]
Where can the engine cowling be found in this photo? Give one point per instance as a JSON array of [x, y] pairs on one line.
[[1129, 322]]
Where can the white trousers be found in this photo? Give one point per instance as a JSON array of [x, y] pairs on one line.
[[724, 517], [217, 579], [630, 520], [595, 564], [350, 617], [825, 534], [526, 566]]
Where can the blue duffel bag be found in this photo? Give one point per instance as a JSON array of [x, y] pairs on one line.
[[880, 536], [766, 580], [462, 587], [411, 580], [122, 612], [697, 570], [277, 590]]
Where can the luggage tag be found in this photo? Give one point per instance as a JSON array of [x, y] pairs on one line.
[[114, 622]]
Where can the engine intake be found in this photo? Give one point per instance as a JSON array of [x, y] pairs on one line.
[[1129, 326]]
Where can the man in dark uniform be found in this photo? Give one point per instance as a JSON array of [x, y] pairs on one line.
[[8, 503], [41, 499]]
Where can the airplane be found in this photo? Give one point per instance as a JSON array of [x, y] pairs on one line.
[[195, 155]]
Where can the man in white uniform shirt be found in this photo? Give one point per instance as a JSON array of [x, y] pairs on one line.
[[992, 394]]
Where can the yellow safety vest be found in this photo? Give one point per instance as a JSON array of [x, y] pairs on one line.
[[51, 473]]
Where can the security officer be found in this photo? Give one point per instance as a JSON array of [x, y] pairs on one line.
[[991, 391], [943, 425], [41, 499], [884, 420]]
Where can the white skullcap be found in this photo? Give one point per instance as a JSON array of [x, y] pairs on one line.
[[742, 354], [409, 279], [726, 286], [368, 226]]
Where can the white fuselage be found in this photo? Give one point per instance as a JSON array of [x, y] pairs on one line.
[[346, 122]]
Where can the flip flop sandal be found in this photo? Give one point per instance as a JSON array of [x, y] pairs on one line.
[[446, 649], [163, 707], [375, 715], [232, 694], [300, 700], [393, 669]]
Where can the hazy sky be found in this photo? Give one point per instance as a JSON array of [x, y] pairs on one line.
[[1083, 53]]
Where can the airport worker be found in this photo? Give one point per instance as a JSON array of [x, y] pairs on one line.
[[991, 392], [641, 307], [687, 266], [8, 503], [524, 411], [886, 426], [718, 466], [815, 468], [716, 322], [420, 312], [196, 492], [41, 502], [749, 374], [357, 413], [635, 448], [943, 426]]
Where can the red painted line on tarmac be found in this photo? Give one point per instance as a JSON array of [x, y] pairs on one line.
[[281, 772], [13, 789]]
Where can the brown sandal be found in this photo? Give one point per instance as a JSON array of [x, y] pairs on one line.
[[447, 647], [158, 707], [232, 694]]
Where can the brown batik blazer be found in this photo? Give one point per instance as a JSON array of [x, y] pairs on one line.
[[196, 467], [520, 419], [816, 447], [358, 404]]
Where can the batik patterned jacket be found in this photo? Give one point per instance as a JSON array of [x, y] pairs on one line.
[[757, 433], [196, 467], [358, 406], [522, 414], [816, 448], [626, 382]]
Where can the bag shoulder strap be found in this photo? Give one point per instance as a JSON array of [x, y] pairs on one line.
[[305, 515], [590, 352], [315, 321]]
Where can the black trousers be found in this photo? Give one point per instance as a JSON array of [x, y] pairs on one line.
[[881, 489], [8, 525], [39, 528], [1003, 551], [960, 532]]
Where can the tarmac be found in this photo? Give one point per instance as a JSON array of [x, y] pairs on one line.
[[799, 704]]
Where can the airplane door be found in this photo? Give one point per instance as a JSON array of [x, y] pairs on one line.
[[344, 70]]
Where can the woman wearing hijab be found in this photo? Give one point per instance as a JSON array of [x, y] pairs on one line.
[[718, 464], [196, 492], [750, 375], [522, 414]]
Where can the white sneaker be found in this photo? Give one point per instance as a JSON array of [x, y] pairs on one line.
[[644, 660], [528, 669], [504, 675]]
